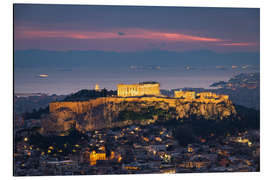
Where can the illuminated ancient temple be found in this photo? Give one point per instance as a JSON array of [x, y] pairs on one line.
[[140, 89]]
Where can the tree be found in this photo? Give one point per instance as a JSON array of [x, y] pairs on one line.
[[184, 135]]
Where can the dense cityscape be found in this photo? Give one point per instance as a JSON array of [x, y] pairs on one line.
[[136, 149]]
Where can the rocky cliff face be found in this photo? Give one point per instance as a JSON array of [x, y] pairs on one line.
[[111, 112]]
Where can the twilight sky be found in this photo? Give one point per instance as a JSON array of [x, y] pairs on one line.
[[79, 46], [123, 28]]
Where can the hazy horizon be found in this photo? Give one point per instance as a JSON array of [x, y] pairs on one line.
[[107, 45]]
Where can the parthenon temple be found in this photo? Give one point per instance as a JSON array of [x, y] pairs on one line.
[[140, 89]]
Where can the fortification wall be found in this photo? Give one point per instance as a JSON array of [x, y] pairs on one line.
[[204, 97], [83, 106], [185, 94], [104, 112]]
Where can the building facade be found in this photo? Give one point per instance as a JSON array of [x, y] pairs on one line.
[[210, 95], [203, 96], [185, 94], [141, 89], [97, 87]]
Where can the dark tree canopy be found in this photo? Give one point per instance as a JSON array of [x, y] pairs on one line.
[[85, 94]]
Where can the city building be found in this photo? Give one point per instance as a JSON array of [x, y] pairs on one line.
[[94, 157], [97, 87], [185, 94]]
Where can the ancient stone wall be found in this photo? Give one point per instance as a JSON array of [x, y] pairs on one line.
[[207, 95], [204, 97], [104, 112], [81, 107], [185, 94]]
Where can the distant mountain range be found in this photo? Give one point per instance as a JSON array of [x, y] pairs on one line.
[[26, 102]]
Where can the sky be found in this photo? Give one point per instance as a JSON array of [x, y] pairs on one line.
[[78, 46], [127, 28]]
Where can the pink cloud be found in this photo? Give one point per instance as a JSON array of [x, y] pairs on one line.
[[176, 36], [239, 44], [128, 34], [127, 39]]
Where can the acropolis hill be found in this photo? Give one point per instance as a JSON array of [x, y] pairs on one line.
[[139, 103]]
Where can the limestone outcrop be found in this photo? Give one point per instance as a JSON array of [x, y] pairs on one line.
[[109, 112]]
